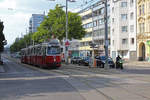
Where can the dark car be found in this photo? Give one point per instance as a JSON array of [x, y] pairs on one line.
[[84, 61], [101, 60], [75, 60]]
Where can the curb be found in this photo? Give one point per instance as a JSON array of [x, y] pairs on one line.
[[1, 69]]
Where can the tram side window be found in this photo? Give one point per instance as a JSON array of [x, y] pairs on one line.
[[34, 51], [44, 50], [31, 51], [28, 52], [23, 53], [39, 51]]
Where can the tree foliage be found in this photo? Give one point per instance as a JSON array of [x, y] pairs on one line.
[[54, 24], [2, 37], [21, 43]]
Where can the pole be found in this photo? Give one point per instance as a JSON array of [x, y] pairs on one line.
[[66, 31], [92, 37], [106, 35]]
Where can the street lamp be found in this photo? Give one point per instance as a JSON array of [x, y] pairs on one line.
[[106, 31], [66, 48]]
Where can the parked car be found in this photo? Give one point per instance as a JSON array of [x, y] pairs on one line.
[[101, 60], [84, 61], [75, 60]]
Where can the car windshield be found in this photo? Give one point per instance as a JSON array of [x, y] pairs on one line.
[[53, 50]]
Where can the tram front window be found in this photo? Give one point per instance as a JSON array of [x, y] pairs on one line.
[[53, 50]]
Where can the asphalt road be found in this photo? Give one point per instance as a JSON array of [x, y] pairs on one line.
[[72, 82], [22, 83]]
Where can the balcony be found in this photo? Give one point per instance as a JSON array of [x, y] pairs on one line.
[[100, 37]]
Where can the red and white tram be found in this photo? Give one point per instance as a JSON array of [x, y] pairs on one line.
[[43, 55]]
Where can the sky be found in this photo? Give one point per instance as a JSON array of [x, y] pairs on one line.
[[16, 14]]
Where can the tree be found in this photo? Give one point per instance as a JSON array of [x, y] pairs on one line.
[[21, 43], [2, 38], [54, 24]]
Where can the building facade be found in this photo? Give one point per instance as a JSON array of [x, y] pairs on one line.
[[74, 48], [93, 22], [143, 29], [35, 22], [99, 27], [84, 48], [123, 29]]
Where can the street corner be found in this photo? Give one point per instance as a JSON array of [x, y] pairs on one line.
[[2, 69]]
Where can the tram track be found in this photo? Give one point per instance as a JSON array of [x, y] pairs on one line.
[[84, 82]]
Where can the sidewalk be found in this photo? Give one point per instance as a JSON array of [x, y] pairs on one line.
[[137, 64], [2, 69]]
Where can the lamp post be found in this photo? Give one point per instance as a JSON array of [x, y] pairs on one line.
[[106, 31], [66, 48], [106, 35]]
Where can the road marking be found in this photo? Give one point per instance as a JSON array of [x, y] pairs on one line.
[[33, 78]]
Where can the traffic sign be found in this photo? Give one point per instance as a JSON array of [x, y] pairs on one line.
[[67, 43]]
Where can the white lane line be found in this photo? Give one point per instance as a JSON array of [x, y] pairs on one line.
[[33, 78]]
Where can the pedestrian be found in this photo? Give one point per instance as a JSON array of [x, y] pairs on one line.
[[118, 58]]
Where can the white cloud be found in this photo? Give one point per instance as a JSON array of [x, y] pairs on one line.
[[16, 19], [8, 4], [14, 25]]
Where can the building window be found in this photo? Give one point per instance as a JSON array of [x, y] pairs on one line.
[[112, 9], [142, 27], [149, 6], [149, 26], [124, 41], [113, 42], [143, 9], [101, 21], [124, 29], [101, 11], [88, 25], [140, 10], [123, 4], [132, 40], [131, 15], [124, 16], [113, 30], [113, 19], [131, 2], [95, 23], [131, 28]]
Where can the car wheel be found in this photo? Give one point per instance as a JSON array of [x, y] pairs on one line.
[[102, 65]]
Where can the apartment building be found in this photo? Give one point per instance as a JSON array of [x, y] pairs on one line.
[[143, 29], [123, 29], [87, 23], [99, 27], [93, 22], [35, 22]]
